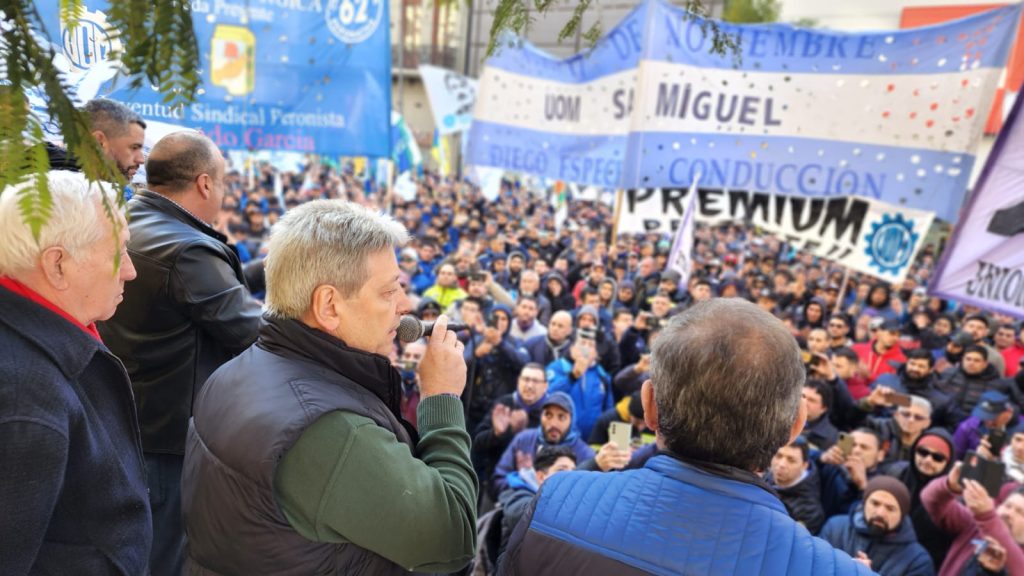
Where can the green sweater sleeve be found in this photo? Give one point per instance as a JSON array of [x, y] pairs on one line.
[[347, 480]]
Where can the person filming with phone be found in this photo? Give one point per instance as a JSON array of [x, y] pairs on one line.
[[986, 535]]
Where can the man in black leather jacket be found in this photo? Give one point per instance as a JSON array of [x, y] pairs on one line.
[[188, 312]]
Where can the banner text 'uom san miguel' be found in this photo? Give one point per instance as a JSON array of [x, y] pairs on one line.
[[302, 75], [893, 116]]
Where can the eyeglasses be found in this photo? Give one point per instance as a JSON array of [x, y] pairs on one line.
[[925, 453], [912, 416]]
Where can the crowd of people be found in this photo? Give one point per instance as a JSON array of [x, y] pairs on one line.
[[257, 329]]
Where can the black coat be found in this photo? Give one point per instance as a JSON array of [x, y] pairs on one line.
[[187, 312], [803, 500]]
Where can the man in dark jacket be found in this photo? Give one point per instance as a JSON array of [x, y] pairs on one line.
[[555, 344], [917, 377], [967, 382], [724, 352], [819, 431], [72, 476], [188, 312], [879, 533], [794, 478], [933, 457], [298, 458]]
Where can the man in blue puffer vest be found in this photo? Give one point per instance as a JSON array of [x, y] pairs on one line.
[[724, 395]]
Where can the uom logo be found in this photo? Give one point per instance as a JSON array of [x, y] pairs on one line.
[[890, 244], [89, 42]]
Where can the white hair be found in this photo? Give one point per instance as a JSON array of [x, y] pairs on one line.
[[324, 242], [76, 220]]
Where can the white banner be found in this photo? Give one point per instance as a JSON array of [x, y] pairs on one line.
[[451, 96], [680, 257], [866, 235], [983, 264]]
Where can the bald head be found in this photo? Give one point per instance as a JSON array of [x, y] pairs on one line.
[[178, 159], [188, 167]]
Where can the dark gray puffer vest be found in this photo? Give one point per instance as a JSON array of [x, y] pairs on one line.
[[248, 415]]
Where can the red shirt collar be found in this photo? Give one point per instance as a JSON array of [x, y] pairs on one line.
[[26, 292]]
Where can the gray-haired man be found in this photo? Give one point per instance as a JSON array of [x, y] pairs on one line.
[[298, 460]]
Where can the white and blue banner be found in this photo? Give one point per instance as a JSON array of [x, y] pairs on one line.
[[451, 97], [862, 234], [892, 116], [300, 76]]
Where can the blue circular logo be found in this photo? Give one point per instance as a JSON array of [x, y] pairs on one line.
[[86, 44], [890, 244], [353, 21]]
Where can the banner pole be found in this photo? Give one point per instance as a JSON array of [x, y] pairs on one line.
[[615, 216], [842, 289]]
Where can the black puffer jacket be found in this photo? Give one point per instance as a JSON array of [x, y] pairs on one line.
[[186, 313]]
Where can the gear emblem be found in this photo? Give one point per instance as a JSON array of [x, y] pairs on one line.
[[90, 42], [891, 243]]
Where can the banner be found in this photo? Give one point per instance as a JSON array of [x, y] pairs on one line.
[[300, 76], [892, 116], [680, 257], [983, 264], [451, 97], [863, 234]]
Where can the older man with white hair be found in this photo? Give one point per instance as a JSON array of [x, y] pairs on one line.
[[72, 479], [298, 460]]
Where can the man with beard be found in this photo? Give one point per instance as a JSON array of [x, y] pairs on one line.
[[933, 457], [977, 326], [917, 377], [556, 429], [976, 518], [966, 383], [795, 480], [119, 132], [879, 532]]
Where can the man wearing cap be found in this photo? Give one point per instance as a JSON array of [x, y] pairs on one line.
[[953, 352], [878, 355], [993, 412], [557, 428], [966, 383], [879, 533], [932, 457]]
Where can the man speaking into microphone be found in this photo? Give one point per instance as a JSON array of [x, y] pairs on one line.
[[298, 460]]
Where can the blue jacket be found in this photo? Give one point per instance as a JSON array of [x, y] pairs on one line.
[[666, 518], [592, 393], [529, 441], [73, 497], [897, 553]]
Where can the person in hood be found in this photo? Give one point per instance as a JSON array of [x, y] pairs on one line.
[[628, 410], [795, 480], [557, 428], [814, 316], [495, 362], [556, 290], [933, 457], [993, 412], [879, 532], [524, 484]]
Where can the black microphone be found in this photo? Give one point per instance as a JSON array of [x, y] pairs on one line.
[[411, 328]]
